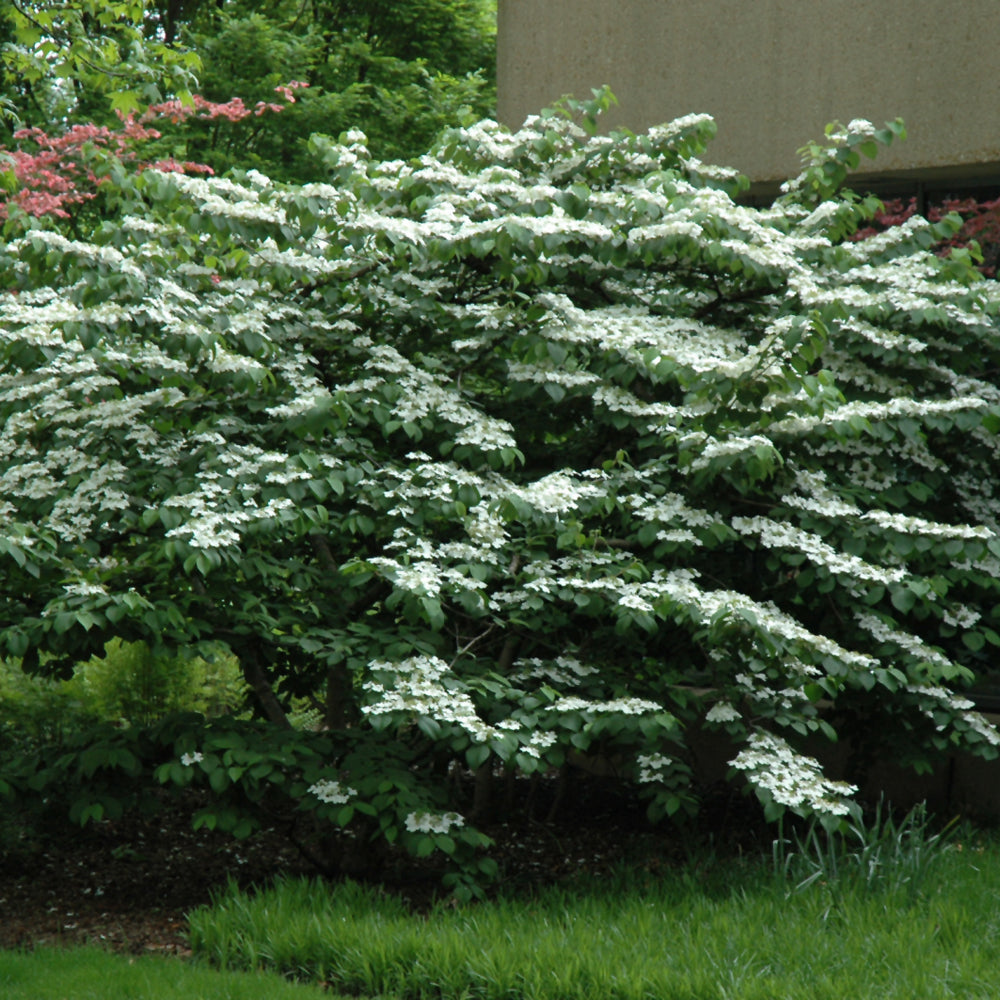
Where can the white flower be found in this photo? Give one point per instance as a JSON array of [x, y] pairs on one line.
[[331, 791], [626, 706], [632, 600], [978, 724], [542, 740], [651, 766], [415, 687], [722, 712], [426, 822], [187, 759], [774, 534], [791, 779]]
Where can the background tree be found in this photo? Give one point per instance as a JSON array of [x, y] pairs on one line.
[[980, 225], [400, 71], [79, 61]]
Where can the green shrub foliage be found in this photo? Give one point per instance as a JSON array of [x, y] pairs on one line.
[[539, 445], [132, 685]]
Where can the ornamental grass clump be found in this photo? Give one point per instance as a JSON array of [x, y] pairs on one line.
[[541, 444], [877, 854]]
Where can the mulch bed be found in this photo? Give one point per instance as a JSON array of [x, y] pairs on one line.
[[129, 884]]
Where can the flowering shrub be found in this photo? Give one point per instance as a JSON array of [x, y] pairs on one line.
[[514, 452], [50, 175]]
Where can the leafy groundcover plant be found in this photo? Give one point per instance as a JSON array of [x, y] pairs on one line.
[[537, 446]]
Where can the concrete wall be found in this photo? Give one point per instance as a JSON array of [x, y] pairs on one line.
[[772, 73]]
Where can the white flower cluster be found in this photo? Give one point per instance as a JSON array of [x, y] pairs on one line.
[[426, 822], [646, 339], [908, 525], [619, 400], [978, 724], [85, 588], [791, 779], [631, 599], [775, 534], [704, 605], [419, 394], [652, 766], [425, 576], [724, 448], [941, 696], [961, 617], [906, 641], [881, 337], [486, 529], [520, 372], [722, 711], [563, 671], [933, 697], [875, 412], [331, 791], [756, 688], [416, 687], [816, 496], [598, 573], [187, 759], [625, 706], [227, 199], [561, 492], [208, 528], [671, 510], [537, 742]]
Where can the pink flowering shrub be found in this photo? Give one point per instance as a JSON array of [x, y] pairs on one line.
[[49, 175], [980, 223]]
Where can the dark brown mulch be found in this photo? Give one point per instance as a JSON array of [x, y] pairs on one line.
[[128, 885]]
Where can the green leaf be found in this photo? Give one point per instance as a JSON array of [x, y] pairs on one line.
[[903, 599], [219, 780], [974, 641], [125, 102]]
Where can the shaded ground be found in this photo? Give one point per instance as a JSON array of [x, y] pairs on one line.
[[129, 884]]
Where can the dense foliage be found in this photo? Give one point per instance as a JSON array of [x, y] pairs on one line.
[[81, 60], [538, 446], [401, 70]]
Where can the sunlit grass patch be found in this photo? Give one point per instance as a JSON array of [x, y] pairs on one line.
[[93, 974]]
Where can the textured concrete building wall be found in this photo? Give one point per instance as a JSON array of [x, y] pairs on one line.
[[771, 72]]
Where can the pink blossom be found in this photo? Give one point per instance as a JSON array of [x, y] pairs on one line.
[[57, 173]]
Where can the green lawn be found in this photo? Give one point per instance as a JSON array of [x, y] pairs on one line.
[[726, 932], [93, 974], [904, 916]]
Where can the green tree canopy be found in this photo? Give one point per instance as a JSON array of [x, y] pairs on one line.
[[80, 60], [399, 70]]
